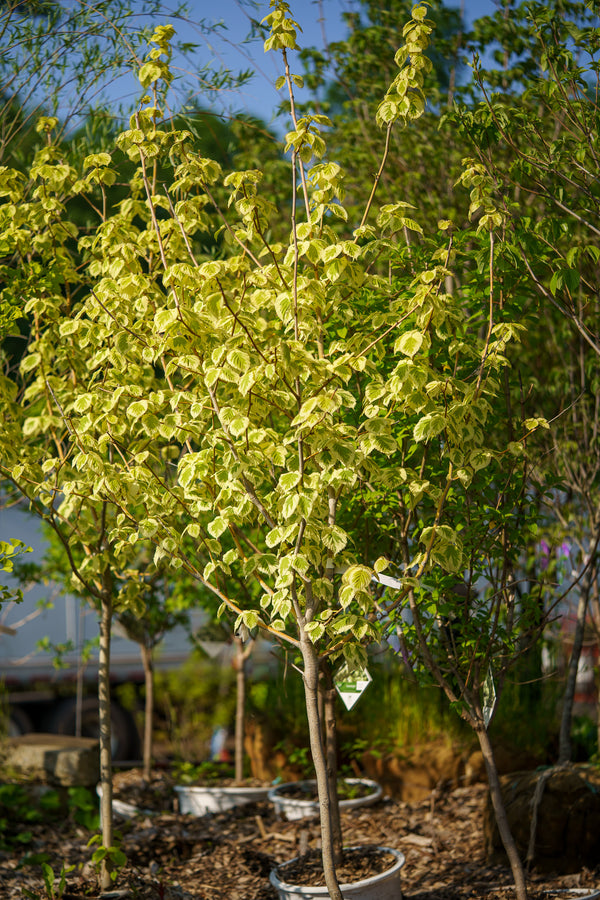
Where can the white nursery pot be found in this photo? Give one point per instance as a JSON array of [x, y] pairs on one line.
[[292, 808], [196, 800], [573, 894], [124, 809], [564, 893], [385, 886]]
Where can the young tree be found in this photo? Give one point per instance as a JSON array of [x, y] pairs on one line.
[[572, 526], [538, 146], [234, 408], [147, 623], [237, 411], [39, 436]]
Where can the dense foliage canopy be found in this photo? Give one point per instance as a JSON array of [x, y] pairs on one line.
[[294, 372]]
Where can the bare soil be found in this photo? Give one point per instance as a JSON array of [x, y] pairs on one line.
[[228, 856], [356, 865]]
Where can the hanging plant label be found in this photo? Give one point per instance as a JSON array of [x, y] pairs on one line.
[[489, 698], [351, 684], [214, 649]]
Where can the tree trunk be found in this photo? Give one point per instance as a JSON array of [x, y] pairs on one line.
[[329, 697], [508, 840], [595, 606], [564, 741], [80, 670], [240, 707], [148, 663], [311, 695], [105, 737]]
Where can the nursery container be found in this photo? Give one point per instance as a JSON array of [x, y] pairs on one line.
[[198, 800], [384, 886], [293, 808]]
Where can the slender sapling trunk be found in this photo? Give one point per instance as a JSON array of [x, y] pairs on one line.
[[329, 698], [595, 606], [241, 656], [105, 737], [311, 695], [506, 836], [564, 741], [148, 664], [80, 671]]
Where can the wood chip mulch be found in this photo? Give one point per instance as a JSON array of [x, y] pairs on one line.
[[228, 856]]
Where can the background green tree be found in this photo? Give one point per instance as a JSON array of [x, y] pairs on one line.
[[532, 126]]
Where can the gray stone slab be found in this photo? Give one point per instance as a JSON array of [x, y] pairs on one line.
[[55, 759]]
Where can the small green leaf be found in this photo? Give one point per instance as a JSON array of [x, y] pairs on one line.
[[409, 343], [137, 409], [289, 480], [30, 362], [335, 539], [538, 422], [358, 577], [218, 526], [429, 427], [290, 505], [273, 537]]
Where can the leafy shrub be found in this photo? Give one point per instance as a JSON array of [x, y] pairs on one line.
[[16, 815]]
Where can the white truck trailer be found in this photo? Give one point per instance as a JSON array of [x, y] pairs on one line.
[[37, 695]]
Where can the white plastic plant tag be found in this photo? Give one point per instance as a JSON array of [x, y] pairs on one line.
[[489, 698], [351, 684], [214, 649]]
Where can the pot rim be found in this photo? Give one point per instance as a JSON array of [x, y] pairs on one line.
[[589, 893], [364, 882], [222, 789], [583, 893], [124, 808], [275, 793]]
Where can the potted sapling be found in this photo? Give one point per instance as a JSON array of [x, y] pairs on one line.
[[216, 785], [297, 800], [295, 380]]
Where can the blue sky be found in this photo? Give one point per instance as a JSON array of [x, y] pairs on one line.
[[260, 97], [225, 45]]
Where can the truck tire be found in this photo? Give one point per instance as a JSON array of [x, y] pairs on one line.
[[18, 721], [125, 739]]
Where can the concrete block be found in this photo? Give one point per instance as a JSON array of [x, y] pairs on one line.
[[54, 759]]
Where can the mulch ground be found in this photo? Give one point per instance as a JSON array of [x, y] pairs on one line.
[[228, 856]]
